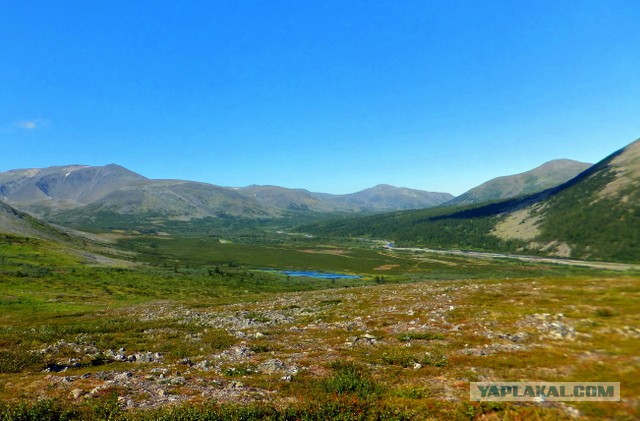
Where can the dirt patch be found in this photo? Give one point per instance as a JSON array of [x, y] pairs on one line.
[[561, 249], [386, 267], [336, 252], [520, 225]]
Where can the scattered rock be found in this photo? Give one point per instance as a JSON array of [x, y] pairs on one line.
[[185, 361], [235, 385], [148, 357], [271, 366], [515, 337], [76, 393], [124, 376], [177, 381], [204, 365], [366, 339], [551, 326]]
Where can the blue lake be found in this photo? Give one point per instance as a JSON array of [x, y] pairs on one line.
[[319, 275]]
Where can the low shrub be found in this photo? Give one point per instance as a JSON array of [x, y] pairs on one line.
[[351, 379]]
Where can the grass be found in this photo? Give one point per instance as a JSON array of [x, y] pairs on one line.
[[437, 326], [419, 336], [350, 378], [338, 409], [18, 360], [378, 266]]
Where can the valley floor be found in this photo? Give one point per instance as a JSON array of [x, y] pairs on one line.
[[522, 258]]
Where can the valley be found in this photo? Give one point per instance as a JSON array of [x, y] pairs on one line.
[[320, 210], [153, 314]]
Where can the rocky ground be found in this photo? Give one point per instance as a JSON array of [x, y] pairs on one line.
[[422, 342]]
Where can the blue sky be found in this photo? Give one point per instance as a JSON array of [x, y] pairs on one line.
[[332, 96]]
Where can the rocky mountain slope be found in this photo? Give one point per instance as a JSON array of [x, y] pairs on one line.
[[289, 199], [64, 186], [179, 199], [595, 215]]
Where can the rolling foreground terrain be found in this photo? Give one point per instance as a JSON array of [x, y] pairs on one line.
[[209, 321], [183, 335]]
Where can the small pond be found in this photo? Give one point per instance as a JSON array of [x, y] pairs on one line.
[[319, 275]]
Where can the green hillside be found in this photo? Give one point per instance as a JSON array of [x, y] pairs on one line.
[[462, 227], [14, 222], [593, 216], [546, 176], [598, 217]]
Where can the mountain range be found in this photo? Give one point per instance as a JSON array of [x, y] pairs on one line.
[[589, 212], [63, 192]]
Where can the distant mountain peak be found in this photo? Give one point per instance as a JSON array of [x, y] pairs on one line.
[[550, 174], [71, 184]]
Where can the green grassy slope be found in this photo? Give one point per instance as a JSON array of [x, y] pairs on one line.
[[462, 227], [599, 216], [593, 216]]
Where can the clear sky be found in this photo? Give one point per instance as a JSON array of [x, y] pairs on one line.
[[332, 96]]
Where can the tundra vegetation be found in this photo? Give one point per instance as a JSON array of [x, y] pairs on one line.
[[202, 328]]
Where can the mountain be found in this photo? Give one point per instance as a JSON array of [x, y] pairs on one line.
[[179, 199], [381, 198], [385, 198], [290, 199], [595, 216], [113, 196], [546, 176], [64, 186], [83, 189]]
